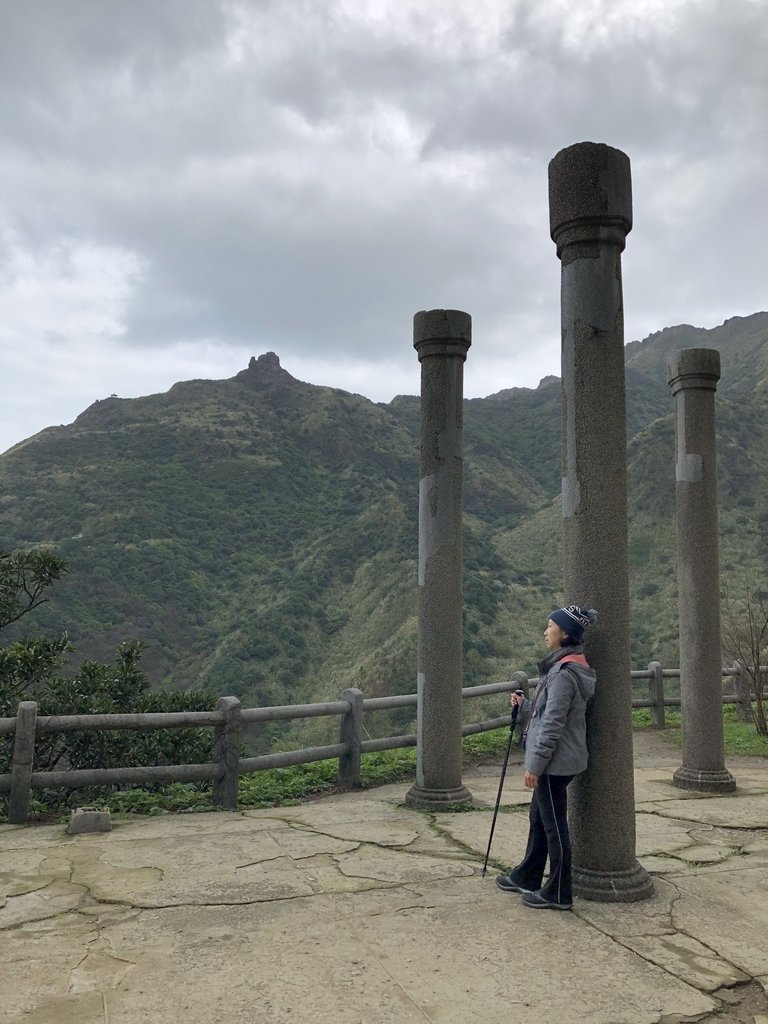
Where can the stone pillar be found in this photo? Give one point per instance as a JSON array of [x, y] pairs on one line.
[[441, 337], [590, 209], [693, 374]]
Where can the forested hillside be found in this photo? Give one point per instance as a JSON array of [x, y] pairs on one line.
[[260, 533]]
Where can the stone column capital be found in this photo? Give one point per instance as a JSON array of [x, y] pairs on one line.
[[693, 368], [442, 332], [590, 197]]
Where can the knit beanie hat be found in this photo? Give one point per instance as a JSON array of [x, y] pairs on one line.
[[573, 620]]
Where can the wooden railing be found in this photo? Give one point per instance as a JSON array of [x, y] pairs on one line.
[[228, 719]]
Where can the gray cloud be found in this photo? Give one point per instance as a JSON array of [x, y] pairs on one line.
[[199, 177]]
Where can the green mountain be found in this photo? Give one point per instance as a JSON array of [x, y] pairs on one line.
[[260, 533], [741, 342]]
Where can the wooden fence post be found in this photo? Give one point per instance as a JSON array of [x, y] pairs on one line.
[[226, 750], [521, 678], [656, 694], [23, 759], [350, 734], [743, 691]]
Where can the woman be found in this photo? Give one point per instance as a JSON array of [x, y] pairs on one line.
[[555, 741]]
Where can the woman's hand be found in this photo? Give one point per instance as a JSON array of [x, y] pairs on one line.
[[517, 699], [531, 781]]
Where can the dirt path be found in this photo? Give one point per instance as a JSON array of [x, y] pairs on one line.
[[653, 750]]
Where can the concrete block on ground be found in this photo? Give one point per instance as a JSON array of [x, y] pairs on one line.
[[89, 819]]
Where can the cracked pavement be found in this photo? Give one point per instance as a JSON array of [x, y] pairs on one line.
[[356, 910]]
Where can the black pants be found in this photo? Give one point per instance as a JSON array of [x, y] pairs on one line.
[[548, 836]]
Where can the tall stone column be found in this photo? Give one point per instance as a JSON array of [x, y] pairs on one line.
[[590, 210], [441, 337], [692, 375]]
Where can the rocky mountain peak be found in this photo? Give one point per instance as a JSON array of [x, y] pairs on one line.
[[265, 371]]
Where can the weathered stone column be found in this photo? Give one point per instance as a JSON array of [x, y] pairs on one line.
[[441, 337], [590, 209], [693, 374]]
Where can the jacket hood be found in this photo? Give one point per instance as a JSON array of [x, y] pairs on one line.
[[585, 675]]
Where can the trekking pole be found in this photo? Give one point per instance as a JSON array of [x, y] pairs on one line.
[[512, 722]]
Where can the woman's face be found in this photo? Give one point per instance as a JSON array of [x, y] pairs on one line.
[[554, 636]]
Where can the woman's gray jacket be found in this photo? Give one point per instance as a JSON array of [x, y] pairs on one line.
[[553, 724]]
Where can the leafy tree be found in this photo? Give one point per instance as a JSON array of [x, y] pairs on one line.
[[33, 668], [24, 578], [120, 687], [27, 666]]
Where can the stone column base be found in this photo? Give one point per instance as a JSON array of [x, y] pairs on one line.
[[720, 781], [629, 886], [420, 799]]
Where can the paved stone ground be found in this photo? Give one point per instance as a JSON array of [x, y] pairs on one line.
[[356, 910]]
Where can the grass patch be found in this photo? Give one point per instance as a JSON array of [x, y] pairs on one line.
[[178, 797], [483, 745], [49, 806], [641, 719], [739, 738]]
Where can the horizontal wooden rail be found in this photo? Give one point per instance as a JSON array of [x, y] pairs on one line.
[[674, 702], [388, 743], [290, 757], [402, 700], [143, 721], [490, 689], [84, 777], [291, 711]]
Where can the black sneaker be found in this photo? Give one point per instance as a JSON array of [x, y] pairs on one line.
[[505, 883], [536, 901]]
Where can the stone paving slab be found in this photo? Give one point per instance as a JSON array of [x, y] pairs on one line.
[[727, 909], [384, 956], [514, 794], [661, 836], [503, 964], [357, 910], [472, 831], [734, 811], [688, 959]]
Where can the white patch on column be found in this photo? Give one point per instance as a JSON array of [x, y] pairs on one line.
[[689, 466], [435, 517]]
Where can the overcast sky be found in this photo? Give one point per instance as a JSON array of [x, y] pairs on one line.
[[187, 183]]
